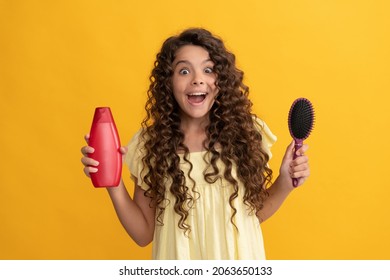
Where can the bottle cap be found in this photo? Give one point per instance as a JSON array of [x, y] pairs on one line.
[[102, 115]]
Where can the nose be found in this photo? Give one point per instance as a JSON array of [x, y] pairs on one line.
[[197, 79]]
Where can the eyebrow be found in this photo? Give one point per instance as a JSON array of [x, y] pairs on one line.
[[181, 61]]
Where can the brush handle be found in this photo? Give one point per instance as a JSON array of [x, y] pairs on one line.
[[297, 146]]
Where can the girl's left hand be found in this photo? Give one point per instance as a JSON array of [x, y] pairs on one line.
[[297, 168]]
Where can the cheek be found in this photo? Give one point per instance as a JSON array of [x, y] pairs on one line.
[[212, 82], [213, 85], [176, 95], [177, 92], [177, 84]]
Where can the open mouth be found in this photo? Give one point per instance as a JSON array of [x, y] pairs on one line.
[[196, 97]]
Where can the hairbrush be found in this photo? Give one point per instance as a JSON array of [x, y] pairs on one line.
[[300, 124]]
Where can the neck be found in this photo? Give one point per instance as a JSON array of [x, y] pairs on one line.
[[194, 133], [188, 125]]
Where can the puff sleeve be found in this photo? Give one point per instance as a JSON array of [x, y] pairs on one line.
[[133, 160], [268, 137]]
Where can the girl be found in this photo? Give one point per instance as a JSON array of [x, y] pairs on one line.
[[199, 163]]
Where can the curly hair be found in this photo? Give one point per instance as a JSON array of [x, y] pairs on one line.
[[232, 136]]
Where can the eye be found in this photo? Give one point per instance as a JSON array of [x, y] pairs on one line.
[[184, 71], [209, 70]]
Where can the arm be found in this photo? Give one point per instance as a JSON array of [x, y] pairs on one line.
[[282, 187], [136, 215]]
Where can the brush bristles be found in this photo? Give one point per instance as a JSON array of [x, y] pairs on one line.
[[301, 118]]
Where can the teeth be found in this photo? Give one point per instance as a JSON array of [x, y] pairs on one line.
[[197, 93]]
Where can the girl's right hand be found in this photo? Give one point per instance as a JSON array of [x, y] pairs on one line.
[[90, 165]]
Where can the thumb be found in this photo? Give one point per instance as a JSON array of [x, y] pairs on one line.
[[289, 152], [123, 150], [286, 161]]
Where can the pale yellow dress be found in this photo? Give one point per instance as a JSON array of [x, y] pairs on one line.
[[212, 234]]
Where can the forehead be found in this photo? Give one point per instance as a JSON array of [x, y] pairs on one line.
[[191, 52]]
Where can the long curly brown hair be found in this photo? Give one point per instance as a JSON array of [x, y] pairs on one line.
[[231, 134]]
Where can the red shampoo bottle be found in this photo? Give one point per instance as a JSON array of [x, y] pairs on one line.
[[105, 140]]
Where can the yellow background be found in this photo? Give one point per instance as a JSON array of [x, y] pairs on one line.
[[61, 59]]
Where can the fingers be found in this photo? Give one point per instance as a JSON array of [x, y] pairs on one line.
[[299, 167], [87, 150], [290, 151], [299, 161], [89, 163], [301, 151], [86, 161], [88, 170], [301, 180], [303, 172], [295, 167]]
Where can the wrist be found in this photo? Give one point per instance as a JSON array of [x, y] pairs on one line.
[[115, 189], [285, 183]]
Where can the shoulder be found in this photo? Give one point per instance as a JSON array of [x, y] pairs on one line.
[[135, 149], [264, 129], [133, 159], [268, 138], [135, 140]]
